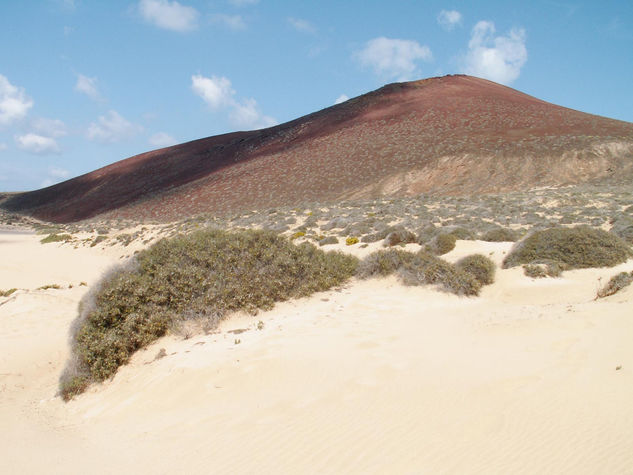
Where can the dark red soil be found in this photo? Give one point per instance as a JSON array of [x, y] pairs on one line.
[[448, 135]]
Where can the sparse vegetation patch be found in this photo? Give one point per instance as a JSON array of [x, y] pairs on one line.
[[479, 266], [202, 275], [419, 268], [56, 238], [574, 248], [615, 284]]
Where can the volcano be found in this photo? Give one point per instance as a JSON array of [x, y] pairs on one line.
[[452, 135]]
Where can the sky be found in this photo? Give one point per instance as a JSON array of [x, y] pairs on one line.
[[85, 83]]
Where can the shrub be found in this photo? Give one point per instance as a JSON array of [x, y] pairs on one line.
[[328, 240], [56, 238], [383, 263], [297, 235], [6, 293], [98, 239], [49, 286], [399, 236], [426, 233], [419, 268], [441, 244], [429, 269], [500, 235], [461, 233], [350, 241], [623, 228], [575, 248], [544, 268], [202, 275], [615, 284], [479, 266]]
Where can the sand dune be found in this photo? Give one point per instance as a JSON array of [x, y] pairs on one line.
[[374, 378]]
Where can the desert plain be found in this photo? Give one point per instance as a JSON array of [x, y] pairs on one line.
[[534, 375]]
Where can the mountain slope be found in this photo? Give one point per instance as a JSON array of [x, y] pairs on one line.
[[448, 135]]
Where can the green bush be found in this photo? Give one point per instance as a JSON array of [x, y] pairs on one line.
[[479, 266], [6, 293], [574, 248], [56, 238], [441, 244], [615, 284], [202, 275], [350, 241], [419, 268], [500, 235]]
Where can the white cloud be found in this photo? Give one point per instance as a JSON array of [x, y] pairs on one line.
[[14, 103], [341, 98], [301, 25], [498, 58], [243, 3], [37, 144], [247, 115], [394, 58], [218, 93], [162, 139], [88, 86], [49, 127], [112, 128], [449, 19], [169, 15], [215, 91], [234, 22]]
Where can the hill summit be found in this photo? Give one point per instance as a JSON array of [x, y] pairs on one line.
[[445, 135]]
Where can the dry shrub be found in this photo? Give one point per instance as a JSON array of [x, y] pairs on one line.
[[441, 244], [328, 240], [574, 248], [615, 284], [419, 268], [501, 235], [202, 275], [479, 266]]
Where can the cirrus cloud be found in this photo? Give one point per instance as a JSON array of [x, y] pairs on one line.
[[394, 58], [498, 58]]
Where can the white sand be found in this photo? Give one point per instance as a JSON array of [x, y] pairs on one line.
[[377, 378]]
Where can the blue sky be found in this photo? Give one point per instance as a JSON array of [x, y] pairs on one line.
[[85, 83]]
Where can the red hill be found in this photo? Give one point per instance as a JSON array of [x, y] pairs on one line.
[[448, 135]]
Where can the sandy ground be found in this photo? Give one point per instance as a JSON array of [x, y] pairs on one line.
[[374, 378]]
